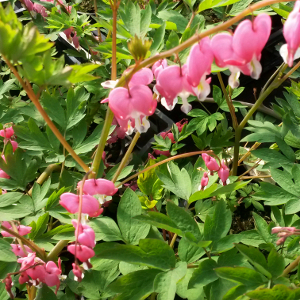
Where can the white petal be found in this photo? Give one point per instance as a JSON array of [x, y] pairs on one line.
[[185, 107], [233, 80], [165, 104], [255, 68], [130, 129], [109, 84], [142, 126], [283, 51]]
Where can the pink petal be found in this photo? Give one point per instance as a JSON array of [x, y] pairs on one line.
[[143, 76], [98, 187]]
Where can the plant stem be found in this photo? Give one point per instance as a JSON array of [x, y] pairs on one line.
[[255, 146], [25, 241], [53, 254], [96, 14], [153, 296], [255, 177], [228, 101], [163, 162], [275, 84], [43, 177], [109, 114], [291, 266], [173, 240], [27, 87], [126, 157]]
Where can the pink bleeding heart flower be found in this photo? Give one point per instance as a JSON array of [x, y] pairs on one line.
[[77, 272], [83, 253], [210, 163], [68, 33], [4, 174], [22, 230], [118, 133], [23, 277], [18, 250], [131, 105], [7, 132], [98, 186], [27, 261], [204, 181], [90, 205], [28, 5], [52, 274], [143, 76], [8, 285], [223, 172], [172, 82], [14, 145], [37, 273], [291, 28], [198, 66], [86, 235], [159, 66], [181, 124], [40, 9], [241, 52], [284, 229]]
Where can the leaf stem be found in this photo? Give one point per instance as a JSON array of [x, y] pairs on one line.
[[163, 162], [43, 177], [173, 240], [25, 241], [53, 254], [126, 157], [27, 87], [291, 266], [228, 101]]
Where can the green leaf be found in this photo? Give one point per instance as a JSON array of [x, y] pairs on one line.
[[13, 212], [278, 292], [134, 286], [183, 220], [158, 39], [230, 188], [160, 220], [176, 180], [172, 41], [106, 229], [145, 20], [218, 226], [151, 252], [276, 263], [242, 275], [45, 293], [9, 198], [165, 283], [256, 258], [262, 228], [189, 252], [203, 194], [132, 230], [204, 274], [174, 17], [286, 149], [41, 226], [5, 252], [79, 73], [271, 156], [132, 18]]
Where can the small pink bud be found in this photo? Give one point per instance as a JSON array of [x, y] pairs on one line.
[[4, 174], [159, 66], [181, 124], [8, 285], [23, 277], [210, 162], [204, 181], [223, 172], [77, 272], [83, 252], [14, 145], [280, 241], [22, 230]]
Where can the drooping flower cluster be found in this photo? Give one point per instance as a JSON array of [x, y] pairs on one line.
[[213, 166], [34, 271], [240, 52], [9, 136], [22, 230], [291, 27], [71, 36], [94, 198], [284, 232]]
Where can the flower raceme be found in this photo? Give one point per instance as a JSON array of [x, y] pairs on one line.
[[291, 28], [22, 230], [241, 52]]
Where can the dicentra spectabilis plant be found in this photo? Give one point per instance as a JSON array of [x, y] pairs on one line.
[[196, 209]]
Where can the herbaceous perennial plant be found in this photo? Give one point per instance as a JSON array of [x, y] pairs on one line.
[[175, 224]]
